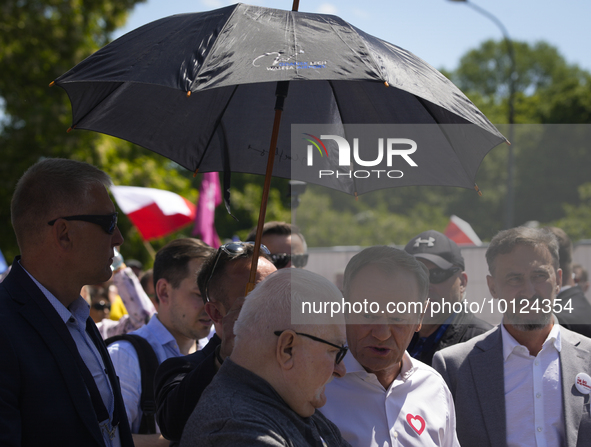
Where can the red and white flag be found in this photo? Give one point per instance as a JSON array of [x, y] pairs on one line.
[[154, 212], [210, 196], [461, 232]]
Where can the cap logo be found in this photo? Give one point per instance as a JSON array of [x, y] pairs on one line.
[[430, 242]]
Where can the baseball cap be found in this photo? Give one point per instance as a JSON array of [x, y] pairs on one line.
[[437, 248]]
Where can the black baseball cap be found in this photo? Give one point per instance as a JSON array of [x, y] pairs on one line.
[[437, 248]]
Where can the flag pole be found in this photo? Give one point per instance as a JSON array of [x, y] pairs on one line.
[[150, 249]]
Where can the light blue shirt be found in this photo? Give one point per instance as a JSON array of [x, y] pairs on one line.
[[126, 362], [75, 320]]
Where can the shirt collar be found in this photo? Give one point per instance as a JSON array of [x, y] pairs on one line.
[[354, 367], [79, 309], [162, 334], [510, 344]]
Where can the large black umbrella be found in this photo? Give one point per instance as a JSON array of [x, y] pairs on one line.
[[200, 88]]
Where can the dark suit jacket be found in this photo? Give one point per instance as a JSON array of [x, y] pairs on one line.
[[43, 398], [179, 382], [579, 318], [474, 373]]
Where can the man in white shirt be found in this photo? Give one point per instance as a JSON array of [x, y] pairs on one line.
[[172, 332], [387, 398], [526, 382]]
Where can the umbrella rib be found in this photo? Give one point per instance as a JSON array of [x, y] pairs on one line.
[[460, 159], [336, 100], [215, 128]]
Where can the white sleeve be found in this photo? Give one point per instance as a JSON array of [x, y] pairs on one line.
[[127, 366], [138, 304]]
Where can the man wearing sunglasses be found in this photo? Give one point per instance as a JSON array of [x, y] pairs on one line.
[[386, 397], [58, 384], [285, 242], [180, 381], [267, 391], [447, 282]]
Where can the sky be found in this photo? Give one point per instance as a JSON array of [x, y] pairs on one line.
[[438, 31]]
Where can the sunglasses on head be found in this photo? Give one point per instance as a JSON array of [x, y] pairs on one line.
[[280, 260], [232, 249], [101, 305], [342, 349], [438, 275], [108, 222]]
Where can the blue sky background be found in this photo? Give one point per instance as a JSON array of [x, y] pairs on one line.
[[438, 31]]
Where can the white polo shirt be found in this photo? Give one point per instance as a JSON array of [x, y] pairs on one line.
[[416, 410], [533, 392]]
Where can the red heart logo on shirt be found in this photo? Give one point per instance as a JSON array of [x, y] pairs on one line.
[[416, 422]]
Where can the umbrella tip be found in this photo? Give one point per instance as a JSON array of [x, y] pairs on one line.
[[70, 129], [508, 142], [356, 196], [195, 173], [386, 84], [188, 93], [478, 190], [52, 83]]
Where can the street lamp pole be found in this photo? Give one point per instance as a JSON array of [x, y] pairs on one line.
[[510, 200]]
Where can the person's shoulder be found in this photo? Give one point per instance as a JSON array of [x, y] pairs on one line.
[[465, 348]]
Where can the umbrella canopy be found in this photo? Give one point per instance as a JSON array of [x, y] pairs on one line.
[[200, 88]]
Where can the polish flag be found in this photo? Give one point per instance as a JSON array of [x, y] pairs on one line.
[[461, 232], [154, 212], [210, 196]]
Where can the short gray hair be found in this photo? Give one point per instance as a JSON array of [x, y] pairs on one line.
[[505, 242], [49, 188], [387, 259], [268, 307]]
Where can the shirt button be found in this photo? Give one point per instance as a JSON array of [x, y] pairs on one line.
[[539, 429], [539, 395], [537, 363], [395, 434]]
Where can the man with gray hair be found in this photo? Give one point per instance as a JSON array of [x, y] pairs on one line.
[[388, 398], [267, 391], [58, 384], [525, 382]]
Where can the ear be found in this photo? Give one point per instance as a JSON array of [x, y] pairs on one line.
[[61, 234], [463, 282], [284, 350], [162, 290], [559, 279], [491, 286], [215, 313]]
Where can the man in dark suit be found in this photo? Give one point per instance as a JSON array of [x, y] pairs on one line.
[[57, 383], [576, 314], [527, 381]]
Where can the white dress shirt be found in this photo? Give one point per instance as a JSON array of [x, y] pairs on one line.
[[417, 409], [533, 392]]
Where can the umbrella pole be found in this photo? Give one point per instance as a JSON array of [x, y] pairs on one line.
[[280, 93]]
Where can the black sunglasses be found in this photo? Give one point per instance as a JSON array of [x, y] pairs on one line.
[[438, 275], [232, 249], [280, 260], [101, 305], [108, 222], [342, 349]]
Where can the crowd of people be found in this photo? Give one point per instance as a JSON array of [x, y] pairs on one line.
[[195, 361]]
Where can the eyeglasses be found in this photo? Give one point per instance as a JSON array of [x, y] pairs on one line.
[[108, 222], [232, 249], [280, 260], [437, 275], [101, 305], [342, 349]]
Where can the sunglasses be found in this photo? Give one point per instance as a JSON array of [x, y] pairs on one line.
[[108, 222], [280, 260], [437, 275], [342, 349], [232, 249], [101, 305]]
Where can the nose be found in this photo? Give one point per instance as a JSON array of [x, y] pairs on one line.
[[339, 370], [529, 289], [117, 238], [380, 331]]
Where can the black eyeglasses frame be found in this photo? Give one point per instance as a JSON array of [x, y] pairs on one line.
[[342, 349]]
